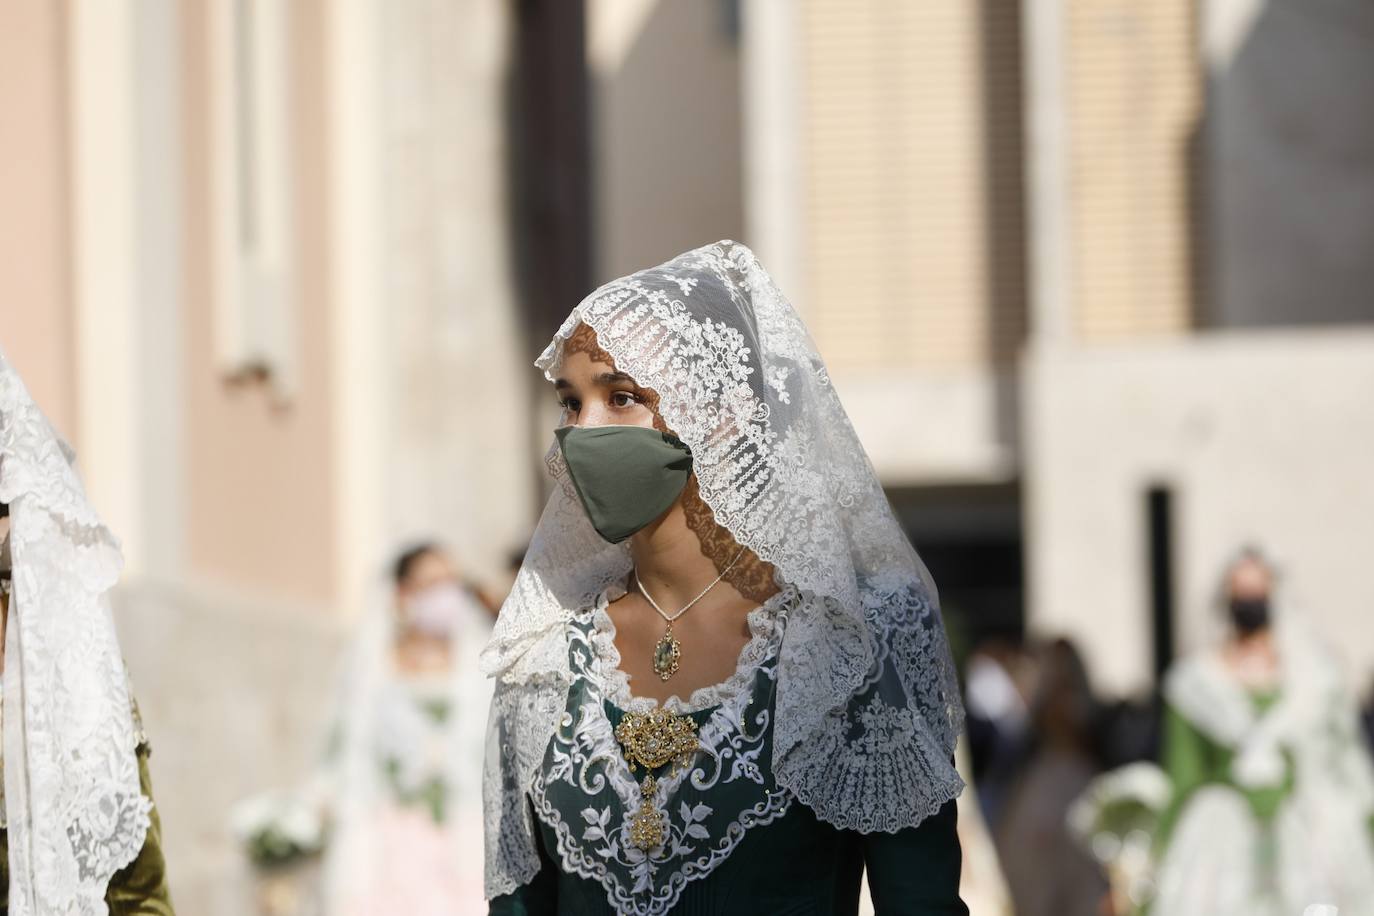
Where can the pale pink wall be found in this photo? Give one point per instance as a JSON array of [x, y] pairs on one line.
[[260, 477], [35, 308]]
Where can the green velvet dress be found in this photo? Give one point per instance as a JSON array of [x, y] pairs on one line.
[[736, 842], [1193, 760], [797, 866], [138, 889]]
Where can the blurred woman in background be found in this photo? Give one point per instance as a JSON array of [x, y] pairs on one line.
[[396, 803], [1273, 791], [78, 829], [403, 785], [1047, 870]]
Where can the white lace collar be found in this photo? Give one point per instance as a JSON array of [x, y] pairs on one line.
[[766, 625]]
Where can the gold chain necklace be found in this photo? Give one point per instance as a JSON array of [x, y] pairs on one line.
[[668, 651]]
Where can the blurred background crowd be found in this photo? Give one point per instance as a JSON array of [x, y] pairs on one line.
[[1095, 279]]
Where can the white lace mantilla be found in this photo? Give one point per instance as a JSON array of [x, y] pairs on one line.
[[867, 707], [76, 811]]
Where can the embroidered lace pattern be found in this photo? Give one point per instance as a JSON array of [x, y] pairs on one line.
[[586, 792], [76, 811]]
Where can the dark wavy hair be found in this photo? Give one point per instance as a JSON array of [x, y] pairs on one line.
[[405, 561]]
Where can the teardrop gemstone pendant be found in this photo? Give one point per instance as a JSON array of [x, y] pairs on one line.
[[667, 655]]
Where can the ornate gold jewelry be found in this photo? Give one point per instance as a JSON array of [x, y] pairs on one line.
[[668, 651], [667, 655], [652, 740], [646, 824]]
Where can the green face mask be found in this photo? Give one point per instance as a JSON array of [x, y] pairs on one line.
[[626, 476]]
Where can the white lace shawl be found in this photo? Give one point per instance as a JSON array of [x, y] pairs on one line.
[[76, 811], [867, 699]]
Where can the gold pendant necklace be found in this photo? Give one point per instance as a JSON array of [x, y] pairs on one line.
[[667, 655], [652, 740], [668, 651]]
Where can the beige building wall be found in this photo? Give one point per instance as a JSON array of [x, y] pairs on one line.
[[900, 168], [256, 515], [259, 472], [666, 131], [1133, 87], [1263, 437], [35, 305], [457, 460], [907, 144], [894, 178], [392, 426]]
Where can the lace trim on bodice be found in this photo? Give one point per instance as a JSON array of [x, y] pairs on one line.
[[765, 635], [586, 792]]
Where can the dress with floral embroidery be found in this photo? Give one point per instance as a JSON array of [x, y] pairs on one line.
[[734, 841]]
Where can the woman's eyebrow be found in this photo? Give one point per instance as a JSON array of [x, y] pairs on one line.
[[603, 378]]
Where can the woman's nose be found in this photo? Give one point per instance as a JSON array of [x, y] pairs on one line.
[[594, 415]]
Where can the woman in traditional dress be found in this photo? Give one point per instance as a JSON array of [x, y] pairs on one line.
[[723, 683], [81, 835], [402, 787], [1273, 790]]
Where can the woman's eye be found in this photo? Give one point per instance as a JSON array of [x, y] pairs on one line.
[[570, 404], [624, 399]]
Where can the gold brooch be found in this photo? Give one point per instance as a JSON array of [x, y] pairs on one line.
[[655, 738], [651, 740]]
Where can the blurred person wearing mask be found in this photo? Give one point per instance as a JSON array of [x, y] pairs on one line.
[[396, 802], [1048, 873], [78, 829], [1272, 787], [406, 832]]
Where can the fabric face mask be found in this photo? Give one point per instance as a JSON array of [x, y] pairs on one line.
[[1249, 615], [626, 476], [436, 610]]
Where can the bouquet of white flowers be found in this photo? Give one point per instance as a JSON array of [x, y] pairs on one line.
[[1116, 819], [278, 828]]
